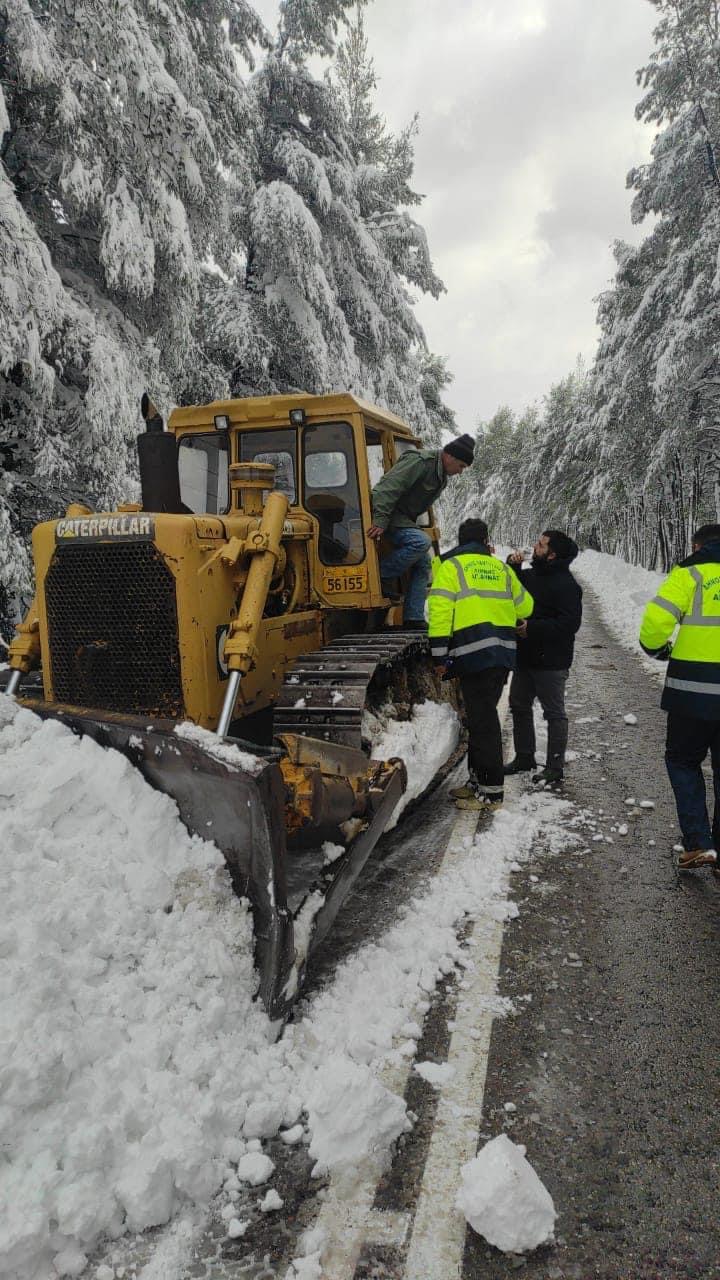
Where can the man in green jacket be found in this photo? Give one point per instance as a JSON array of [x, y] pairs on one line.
[[403, 494]]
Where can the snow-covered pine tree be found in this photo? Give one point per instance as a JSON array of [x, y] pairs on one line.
[[320, 299], [126, 137]]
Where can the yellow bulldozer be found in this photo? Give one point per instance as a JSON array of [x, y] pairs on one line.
[[228, 634]]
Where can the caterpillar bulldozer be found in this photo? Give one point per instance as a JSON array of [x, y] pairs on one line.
[[229, 633]]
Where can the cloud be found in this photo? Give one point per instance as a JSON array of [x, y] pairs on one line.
[[527, 131]]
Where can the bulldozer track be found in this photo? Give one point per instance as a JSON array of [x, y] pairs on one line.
[[326, 692]]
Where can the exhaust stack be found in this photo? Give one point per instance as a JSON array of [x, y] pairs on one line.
[[158, 462]]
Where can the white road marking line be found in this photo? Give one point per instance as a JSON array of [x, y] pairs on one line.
[[438, 1237]]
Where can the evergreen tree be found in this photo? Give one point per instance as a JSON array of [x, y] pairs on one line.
[[125, 133]]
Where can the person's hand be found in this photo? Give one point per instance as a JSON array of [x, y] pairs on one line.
[[521, 628], [516, 557], [375, 532], [491, 549]]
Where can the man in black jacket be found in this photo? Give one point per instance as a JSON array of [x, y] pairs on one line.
[[545, 653]]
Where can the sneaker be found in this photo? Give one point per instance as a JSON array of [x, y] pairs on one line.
[[521, 764], [691, 859], [551, 778], [479, 802]]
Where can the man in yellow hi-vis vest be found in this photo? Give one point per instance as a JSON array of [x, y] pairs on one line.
[[689, 599], [474, 604]]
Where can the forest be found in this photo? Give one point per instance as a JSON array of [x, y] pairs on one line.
[[188, 205]]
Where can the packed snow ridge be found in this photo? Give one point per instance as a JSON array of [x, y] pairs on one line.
[[139, 1077]]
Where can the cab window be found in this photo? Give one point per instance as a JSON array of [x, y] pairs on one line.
[[330, 492], [203, 467], [376, 461], [279, 449]]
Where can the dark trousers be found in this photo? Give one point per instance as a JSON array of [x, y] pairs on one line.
[[481, 692], [688, 742], [529, 683]]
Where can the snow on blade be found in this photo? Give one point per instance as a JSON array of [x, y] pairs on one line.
[[217, 747], [504, 1200]]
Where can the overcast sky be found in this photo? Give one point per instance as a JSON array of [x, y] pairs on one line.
[[527, 131]]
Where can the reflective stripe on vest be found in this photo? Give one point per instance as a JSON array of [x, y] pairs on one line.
[[668, 606], [466, 591], [692, 686], [490, 642]]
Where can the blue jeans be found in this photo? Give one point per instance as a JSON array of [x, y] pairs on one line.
[[411, 552], [688, 742]]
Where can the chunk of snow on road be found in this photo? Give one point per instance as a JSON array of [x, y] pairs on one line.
[[436, 1073], [291, 1136], [254, 1168], [237, 1228], [424, 742], [271, 1202], [504, 1200], [630, 718], [647, 804]]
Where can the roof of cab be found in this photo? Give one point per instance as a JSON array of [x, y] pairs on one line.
[[272, 410]]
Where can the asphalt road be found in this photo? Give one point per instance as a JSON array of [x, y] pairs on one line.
[[613, 1065]]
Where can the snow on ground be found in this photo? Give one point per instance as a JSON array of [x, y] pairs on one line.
[[138, 1076], [424, 742], [622, 591]]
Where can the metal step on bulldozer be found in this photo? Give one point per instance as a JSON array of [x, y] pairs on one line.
[[228, 633]]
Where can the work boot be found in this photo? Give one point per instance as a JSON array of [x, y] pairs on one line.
[[464, 792], [415, 624], [551, 779], [481, 802], [692, 859], [521, 764]]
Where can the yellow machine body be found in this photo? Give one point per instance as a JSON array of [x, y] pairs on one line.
[[185, 576]]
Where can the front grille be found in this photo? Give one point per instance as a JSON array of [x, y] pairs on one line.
[[112, 626]]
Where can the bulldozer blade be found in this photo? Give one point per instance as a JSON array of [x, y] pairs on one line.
[[241, 812], [355, 857]]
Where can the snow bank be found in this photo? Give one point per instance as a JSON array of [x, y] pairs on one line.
[[137, 1074], [125, 998], [622, 591], [504, 1200], [424, 742]]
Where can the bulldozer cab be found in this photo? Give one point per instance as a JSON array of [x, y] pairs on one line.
[[327, 451]]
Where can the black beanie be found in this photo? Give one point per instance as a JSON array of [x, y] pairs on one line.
[[463, 449]]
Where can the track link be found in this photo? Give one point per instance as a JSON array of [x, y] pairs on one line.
[[325, 692]]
